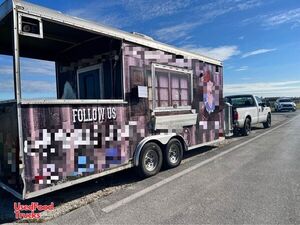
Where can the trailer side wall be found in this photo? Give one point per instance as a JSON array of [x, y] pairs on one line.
[[207, 79]]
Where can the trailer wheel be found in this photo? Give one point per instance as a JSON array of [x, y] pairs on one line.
[[150, 161], [173, 153], [247, 127]]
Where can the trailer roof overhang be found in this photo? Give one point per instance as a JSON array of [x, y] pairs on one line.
[[56, 16], [59, 41]]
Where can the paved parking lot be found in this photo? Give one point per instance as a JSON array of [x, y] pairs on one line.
[[211, 185]]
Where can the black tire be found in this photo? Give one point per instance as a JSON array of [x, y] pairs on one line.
[[247, 127], [150, 160], [268, 123], [173, 153]]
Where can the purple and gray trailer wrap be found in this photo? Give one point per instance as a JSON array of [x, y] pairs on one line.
[[71, 142]]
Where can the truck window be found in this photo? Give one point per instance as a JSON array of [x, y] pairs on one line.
[[241, 101], [259, 100]]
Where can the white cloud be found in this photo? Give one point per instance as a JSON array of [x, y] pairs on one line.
[[34, 86], [221, 53], [6, 86], [37, 67], [29, 86], [291, 16], [127, 12], [245, 78], [258, 52], [30, 67], [146, 10], [6, 70], [205, 13], [285, 88], [220, 7], [271, 20], [242, 68], [175, 32]]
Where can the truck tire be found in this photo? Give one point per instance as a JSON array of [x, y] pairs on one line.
[[150, 160], [247, 127], [173, 153], [268, 123]]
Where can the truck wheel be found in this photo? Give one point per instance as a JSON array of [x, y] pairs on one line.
[[150, 161], [247, 127], [268, 123], [173, 154]]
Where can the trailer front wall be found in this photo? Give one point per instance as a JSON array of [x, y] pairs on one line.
[[9, 147], [206, 78], [63, 143]]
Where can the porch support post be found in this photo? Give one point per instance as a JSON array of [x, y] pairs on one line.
[[18, 97]]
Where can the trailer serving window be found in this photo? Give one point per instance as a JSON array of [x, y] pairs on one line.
[[172, 87]]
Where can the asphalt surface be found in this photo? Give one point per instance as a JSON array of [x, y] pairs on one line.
[[243, 181]]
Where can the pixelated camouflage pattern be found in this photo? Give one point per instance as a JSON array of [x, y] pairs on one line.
[[58, 150], [138, 60]]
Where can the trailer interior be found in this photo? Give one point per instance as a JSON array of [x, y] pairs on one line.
[[74, 52]]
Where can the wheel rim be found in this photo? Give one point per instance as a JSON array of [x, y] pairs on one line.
[[174, 154], [151, 160]]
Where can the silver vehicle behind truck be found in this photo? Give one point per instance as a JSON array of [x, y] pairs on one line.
[[248, 110], [285, 104]]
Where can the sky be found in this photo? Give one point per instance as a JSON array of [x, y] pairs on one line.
[[257, 40]]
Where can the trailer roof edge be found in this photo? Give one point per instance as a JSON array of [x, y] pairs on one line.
[[60, 17]]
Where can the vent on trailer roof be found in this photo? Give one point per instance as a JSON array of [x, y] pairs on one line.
[[142, 35]]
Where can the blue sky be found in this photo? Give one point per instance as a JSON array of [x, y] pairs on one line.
[[258, 40]]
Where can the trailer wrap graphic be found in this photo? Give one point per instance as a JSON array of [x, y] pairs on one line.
[[57, 149], [9, 147], [209, 125], [62, 143], [66, 142]]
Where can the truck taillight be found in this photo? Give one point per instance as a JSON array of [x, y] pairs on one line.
[[235, 115]]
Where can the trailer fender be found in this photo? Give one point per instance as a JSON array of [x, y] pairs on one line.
[[161, 139]]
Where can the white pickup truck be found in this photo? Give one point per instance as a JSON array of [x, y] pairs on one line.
[[248, 110]]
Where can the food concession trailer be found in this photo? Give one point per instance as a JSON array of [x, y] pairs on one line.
[[123, 100]]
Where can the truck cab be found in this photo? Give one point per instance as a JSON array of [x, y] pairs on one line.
[[248, 110]]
